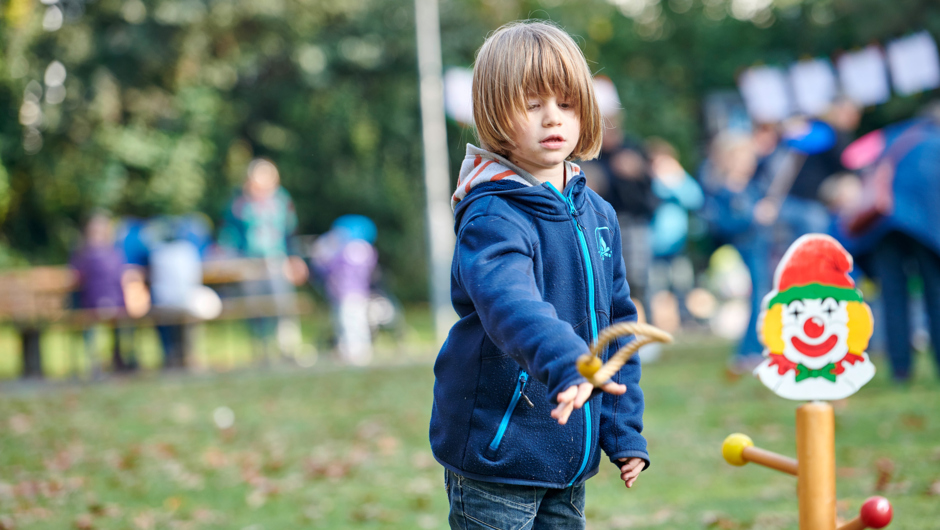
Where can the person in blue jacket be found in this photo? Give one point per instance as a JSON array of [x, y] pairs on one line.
[[734, 190], [537, 272], [904, 239]]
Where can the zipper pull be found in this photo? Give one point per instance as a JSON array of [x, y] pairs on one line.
[[526, 399], [524, 378], [574, 213]]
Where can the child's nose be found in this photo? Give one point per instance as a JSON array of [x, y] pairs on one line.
[[814, 327], [552, 113]]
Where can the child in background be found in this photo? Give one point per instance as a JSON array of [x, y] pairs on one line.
[[100, 267], [344, 258], [732, 207], [679, 194], [537, 272]]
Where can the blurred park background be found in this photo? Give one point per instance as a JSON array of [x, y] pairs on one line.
[[247, 405]]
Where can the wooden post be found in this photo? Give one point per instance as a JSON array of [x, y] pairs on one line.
[[32, 354], [816, 458]]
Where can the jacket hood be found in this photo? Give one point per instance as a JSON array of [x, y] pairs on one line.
[[485, 173]]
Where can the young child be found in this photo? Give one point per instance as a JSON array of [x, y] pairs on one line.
[[537, 272]]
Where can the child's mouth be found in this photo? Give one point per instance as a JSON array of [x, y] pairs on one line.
[[553, 142]]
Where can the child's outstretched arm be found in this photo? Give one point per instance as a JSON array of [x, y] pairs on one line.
[[622, 414], [495, 268]]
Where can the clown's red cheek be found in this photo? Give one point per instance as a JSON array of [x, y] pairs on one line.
[[814, 327]]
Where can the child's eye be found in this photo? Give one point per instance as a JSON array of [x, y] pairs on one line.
[[532, 105]]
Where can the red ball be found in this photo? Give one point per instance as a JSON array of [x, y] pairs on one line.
[[876, 512]]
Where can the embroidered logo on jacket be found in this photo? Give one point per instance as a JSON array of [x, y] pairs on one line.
[[603, 248]]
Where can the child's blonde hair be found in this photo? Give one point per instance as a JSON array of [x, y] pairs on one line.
[[528, 58]]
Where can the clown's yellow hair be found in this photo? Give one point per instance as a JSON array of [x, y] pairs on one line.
[[860, 326], [770, 327]]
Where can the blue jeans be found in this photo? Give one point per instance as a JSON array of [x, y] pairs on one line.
[[893, 259], [755, 252], [488, 506]]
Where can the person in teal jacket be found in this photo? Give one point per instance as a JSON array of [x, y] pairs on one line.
[[258, 224]]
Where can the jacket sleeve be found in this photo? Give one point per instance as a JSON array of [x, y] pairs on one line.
[[495, 268], [622, 416]]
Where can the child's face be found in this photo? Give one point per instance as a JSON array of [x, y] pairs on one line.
[[545, 136], [263, 182]]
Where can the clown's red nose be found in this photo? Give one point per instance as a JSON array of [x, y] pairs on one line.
[[814, 327]]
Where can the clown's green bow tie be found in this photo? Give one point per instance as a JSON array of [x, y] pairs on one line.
[[803, 372]]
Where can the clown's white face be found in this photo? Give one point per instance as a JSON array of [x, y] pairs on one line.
[[815, 332]]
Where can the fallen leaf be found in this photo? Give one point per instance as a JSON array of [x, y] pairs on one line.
[[914, 422], [214, 458], [848, 472], [934, 488], [164, 450], [422, 460], [172, 504], [369, 429], [84, 522], [388, 445], [145, 521], [256, 499], [885, 468], [6, 493], [20, 423], [720, 521]]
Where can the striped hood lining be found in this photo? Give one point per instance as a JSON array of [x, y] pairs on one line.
[[480, 166]]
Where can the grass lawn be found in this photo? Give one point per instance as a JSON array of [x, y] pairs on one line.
[[331, 447]]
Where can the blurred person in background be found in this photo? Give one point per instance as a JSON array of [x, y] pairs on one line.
[[672, 275], [344, 259], [893, 227], [258, 224], [812, 150], [731, 196], [175, 264], [101, 269], [621, 175]]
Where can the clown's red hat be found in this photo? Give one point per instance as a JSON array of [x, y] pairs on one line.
[[815, 266]]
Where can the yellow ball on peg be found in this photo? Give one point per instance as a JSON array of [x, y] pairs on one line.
[[588, 365], [733, 448]]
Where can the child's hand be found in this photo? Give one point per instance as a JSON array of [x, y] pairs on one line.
[[575, 396], [630, 470]]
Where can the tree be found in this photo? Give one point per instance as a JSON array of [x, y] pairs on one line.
[[163, 103]]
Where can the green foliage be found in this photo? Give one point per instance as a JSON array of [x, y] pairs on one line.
[[166, 101]]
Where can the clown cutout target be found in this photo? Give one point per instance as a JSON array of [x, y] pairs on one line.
[[815, 325]]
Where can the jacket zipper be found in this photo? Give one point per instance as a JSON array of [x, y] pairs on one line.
[[589, 267], [504, 423]]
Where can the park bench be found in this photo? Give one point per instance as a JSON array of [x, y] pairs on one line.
[[34, 299]]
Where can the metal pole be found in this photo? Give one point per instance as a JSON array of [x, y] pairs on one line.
[[440, 219]]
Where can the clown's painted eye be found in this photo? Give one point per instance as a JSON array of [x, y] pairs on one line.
[[830, 307], [795, 309]]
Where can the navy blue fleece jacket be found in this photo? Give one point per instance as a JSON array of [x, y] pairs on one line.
[[536, 274]]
